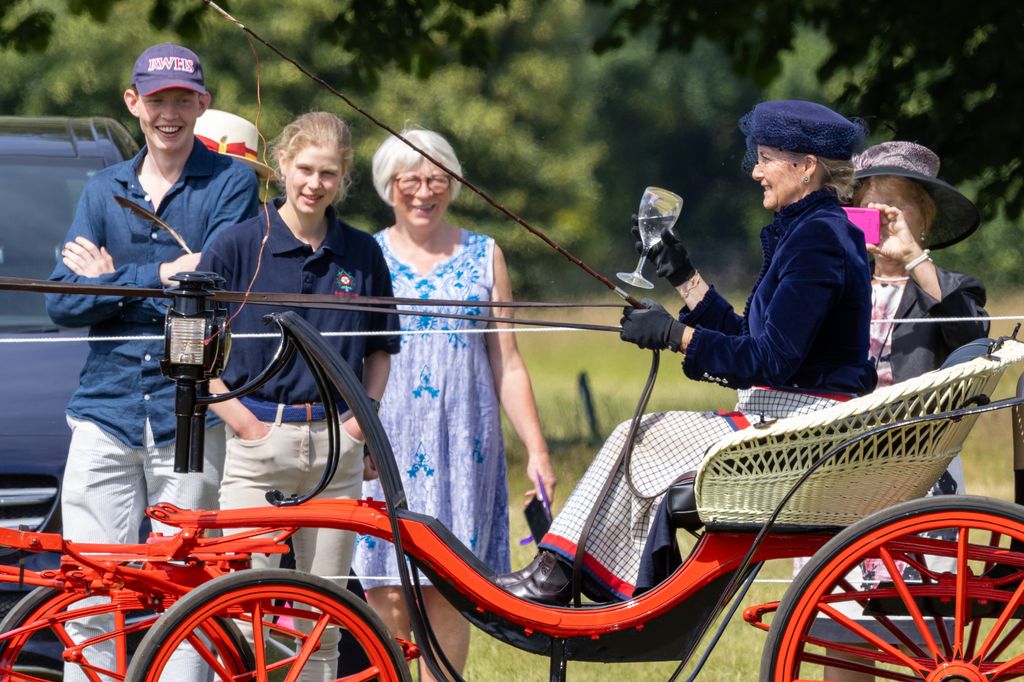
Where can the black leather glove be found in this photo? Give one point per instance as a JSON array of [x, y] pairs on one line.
[[669, 255], [653, 327]]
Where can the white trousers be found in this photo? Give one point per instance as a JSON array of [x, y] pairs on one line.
[[107, 487], [291, 459]]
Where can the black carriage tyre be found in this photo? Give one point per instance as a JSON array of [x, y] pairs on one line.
[[263, 598], [946, 607], [46, 609]]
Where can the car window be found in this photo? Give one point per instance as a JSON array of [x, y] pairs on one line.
[[37, 203]]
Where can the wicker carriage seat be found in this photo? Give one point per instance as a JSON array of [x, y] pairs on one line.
[[744, 476]]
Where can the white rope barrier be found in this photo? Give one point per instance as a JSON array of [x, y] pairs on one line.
[[274, 335], [395, 578], [483, 330]]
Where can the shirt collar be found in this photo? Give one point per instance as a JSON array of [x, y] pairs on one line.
[[200, 163], [283, 241]]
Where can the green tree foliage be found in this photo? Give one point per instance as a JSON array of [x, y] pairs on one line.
[[557, 134], [415, 35], [23, 27], [566, 137], [946, 74]]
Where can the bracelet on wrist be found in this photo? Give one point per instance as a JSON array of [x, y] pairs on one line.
[[917, 261]]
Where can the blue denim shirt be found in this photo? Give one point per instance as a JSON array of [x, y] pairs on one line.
[[121, 386], [807, 321]]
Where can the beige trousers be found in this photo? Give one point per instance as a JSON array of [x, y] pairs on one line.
[[291, 459]]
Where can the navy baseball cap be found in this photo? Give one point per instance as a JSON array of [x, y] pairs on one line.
[[167, 66]]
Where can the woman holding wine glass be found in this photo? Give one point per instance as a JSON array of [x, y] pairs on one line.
[[801, 345]]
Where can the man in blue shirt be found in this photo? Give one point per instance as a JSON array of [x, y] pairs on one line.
[[121, 457]]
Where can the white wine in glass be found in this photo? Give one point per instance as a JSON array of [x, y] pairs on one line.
[[659, 210]]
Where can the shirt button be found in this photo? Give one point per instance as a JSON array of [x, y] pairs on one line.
[[148, 357], [120, 304], [146, 197], [145, 397], [152, 235]]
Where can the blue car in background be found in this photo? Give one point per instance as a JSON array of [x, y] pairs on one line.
[[44, 165]]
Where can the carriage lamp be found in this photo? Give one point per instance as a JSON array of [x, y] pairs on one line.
[[196, 347]]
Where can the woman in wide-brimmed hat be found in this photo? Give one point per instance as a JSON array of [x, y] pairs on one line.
[[920, 214]]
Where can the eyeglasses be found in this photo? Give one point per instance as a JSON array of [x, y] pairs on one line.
[[410, 184]]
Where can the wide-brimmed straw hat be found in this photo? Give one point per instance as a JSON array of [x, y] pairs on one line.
[[233, 136], [956, 216]]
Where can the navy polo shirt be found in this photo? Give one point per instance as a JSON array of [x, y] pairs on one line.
[[121, 386], [348, 263]]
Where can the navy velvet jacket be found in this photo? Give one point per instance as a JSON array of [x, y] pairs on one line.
[[806, 323]]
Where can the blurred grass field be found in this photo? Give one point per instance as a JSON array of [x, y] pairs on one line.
[[616, 373]]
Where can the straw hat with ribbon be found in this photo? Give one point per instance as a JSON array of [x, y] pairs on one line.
[[956, 216], [232, 136]]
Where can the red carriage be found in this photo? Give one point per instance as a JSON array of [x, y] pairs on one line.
[[944, 603]]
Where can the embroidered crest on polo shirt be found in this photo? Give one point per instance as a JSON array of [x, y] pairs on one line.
[[345, 282]]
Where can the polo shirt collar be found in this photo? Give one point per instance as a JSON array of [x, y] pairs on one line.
[[282, 240], [200, 163]]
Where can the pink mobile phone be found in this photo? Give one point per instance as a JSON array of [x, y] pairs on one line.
[[869, 220]]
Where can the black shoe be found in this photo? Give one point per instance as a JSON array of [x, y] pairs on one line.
[[506, 579], [547, 580]]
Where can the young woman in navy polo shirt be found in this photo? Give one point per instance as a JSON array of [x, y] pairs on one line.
[[277, 438]]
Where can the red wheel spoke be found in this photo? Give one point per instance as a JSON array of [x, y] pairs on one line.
[[311, 644], [220, 672], [853, 666], [869, 637], [961, 606], [909, 603], [940, 627], [1011, 636], [865, 653], [14, 676], [120, 643], [1008, 611], [861, 598], [920, 565], [1014, 665], [993, 541], [258, 643]]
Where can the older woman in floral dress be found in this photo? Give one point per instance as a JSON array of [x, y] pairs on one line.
[[441, 407]]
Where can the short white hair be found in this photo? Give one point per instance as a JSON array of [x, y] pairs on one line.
[[394, 157]]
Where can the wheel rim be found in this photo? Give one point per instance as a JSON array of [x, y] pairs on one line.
[[285, 621], [944, 607]]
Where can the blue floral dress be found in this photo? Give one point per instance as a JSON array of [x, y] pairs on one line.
[[441, 413]]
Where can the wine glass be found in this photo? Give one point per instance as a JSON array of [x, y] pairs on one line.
[[659, 209]]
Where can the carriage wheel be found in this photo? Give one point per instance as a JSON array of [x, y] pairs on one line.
[[285, 612], [35, 634], [931, 589]]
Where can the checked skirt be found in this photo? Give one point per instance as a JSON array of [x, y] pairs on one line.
[[668, 445]]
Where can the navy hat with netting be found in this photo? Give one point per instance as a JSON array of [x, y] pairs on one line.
[[806, 127]]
